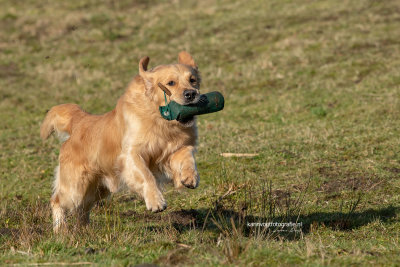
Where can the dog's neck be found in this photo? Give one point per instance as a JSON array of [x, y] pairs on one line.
[[138, 98]]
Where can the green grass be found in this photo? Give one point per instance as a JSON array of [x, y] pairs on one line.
[[311, 86]]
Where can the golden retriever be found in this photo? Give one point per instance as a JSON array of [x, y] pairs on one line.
[[131, 145]]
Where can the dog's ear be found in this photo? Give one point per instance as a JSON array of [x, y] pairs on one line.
[[185, 58], [143, 73], [143, 65]]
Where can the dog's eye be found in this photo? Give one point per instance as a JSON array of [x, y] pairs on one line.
[[171, 83], [192, 80]]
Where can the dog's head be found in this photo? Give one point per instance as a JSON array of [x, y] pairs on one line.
[[181, 81]]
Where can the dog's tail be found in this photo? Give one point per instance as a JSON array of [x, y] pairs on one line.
[[59, 119]]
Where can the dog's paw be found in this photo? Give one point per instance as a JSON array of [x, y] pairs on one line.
[[190, 178], [155, 201]]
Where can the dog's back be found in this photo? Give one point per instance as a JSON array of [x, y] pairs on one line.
[[94, 139]]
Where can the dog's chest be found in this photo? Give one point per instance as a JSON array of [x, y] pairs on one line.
[[155, 145], [159, 147]]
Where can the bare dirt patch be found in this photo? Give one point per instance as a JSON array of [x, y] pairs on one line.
[[338, 181], [9, 70], [174, 257], [8, 231], [393, 170]]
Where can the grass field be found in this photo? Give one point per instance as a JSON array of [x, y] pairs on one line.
[[313, 87]]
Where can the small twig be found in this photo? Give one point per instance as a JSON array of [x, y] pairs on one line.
[[227, 193], [53, 263], [229, 155], [24, 252], [204, 224], [378, 183], [184, 245], [230, 192]]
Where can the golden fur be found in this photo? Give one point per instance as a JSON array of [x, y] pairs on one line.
[[131, 145]]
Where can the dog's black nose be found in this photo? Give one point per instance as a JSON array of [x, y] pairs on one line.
[[189, 94]]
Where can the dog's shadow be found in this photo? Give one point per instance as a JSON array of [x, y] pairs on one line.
[[224, 220]]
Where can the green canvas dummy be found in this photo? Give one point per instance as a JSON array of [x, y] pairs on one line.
[[208, 103]]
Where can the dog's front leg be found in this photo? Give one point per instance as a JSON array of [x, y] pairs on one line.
[[183, 166], [139, 178]]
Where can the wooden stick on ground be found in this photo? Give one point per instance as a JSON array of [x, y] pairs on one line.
[[229, 155]]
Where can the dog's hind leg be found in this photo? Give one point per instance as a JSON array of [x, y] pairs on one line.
[[58, 211], [93, 194], [58, 214], [75, 191]]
